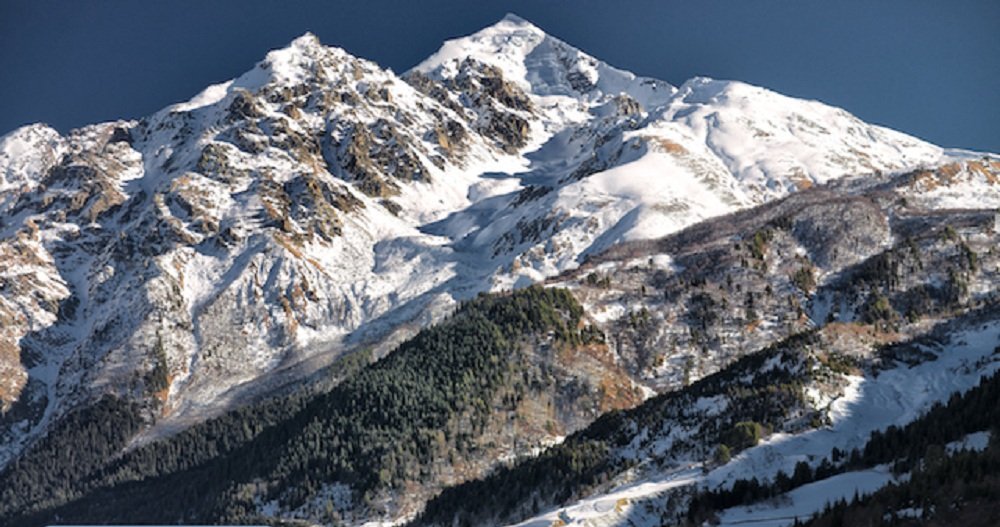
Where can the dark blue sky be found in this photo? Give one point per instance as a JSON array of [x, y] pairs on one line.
[[931, 69]]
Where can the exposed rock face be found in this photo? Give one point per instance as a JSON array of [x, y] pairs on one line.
[[499, 109], [243, 107], [378, 158]]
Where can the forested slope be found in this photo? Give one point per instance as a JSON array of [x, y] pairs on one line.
[[390, 425]]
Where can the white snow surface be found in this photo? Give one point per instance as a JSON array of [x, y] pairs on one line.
[[543, 65], [611, 508], [802, 502], [977, 441], [25, 155]]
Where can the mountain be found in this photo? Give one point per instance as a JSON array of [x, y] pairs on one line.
[[858, 312], [222, 271]]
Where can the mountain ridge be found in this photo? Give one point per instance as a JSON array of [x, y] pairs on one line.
[[236, 244]]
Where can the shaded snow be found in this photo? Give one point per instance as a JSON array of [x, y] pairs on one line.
[[977, 441], [803, 502]]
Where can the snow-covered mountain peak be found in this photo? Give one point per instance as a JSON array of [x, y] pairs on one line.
[[302, 57], [508, 40], [304, 64], [511, 18], [25, 154], [305, 41], [542, 65], [26, 133]]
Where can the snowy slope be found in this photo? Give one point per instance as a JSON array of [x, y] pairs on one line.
[[621, 157], [870, 402], [25, 154], [803, 502]]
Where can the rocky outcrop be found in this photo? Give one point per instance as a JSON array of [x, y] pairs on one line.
[[378, 158], [496, 107]]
